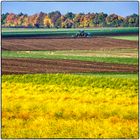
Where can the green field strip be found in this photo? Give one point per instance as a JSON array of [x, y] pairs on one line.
[[64, 29], [105, 80], [111, 74], [132, 38], [98, 53], [50, 55], [67, 32]]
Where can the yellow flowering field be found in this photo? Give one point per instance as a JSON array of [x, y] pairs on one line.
[[69, 106]]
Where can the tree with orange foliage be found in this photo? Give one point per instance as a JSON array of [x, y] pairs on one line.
[[47, 21]]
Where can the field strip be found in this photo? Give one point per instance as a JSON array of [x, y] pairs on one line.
[[67, 32], [127, 53], [11, 66], [133, 38], [121, 57], [97, 43], [73, 106]]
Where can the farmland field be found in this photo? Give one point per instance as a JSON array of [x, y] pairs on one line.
[[69, 87], [70, 106], [19, 65], [97, 43], [11, 32], [99, 54]]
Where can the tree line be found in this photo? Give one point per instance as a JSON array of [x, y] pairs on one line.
[[70, 20]]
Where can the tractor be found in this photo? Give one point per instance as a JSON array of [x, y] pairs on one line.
[[82, 34]]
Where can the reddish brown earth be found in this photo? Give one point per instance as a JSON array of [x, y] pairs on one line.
[[26, 65], [97, 43]]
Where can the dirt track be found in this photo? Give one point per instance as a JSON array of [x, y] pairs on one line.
[[97, 43], [23, 66]]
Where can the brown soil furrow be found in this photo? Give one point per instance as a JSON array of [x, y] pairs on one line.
[[20, 65], [97, 43], [59, 63]]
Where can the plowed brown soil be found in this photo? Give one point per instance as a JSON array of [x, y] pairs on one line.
[[97, 43], [26, 65]]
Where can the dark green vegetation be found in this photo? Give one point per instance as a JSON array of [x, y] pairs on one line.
[[67, 32]]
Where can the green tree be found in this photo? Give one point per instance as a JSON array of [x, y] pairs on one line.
[[70, 15], [3, 18], [132, 21]]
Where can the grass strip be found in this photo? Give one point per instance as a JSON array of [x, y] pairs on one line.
[[41, 54]]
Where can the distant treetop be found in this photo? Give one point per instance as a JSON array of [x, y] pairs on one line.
[[70, 20]]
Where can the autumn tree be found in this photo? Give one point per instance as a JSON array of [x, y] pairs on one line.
[[10, 20], [63, 18], [68, 23], [87, 21], [55, 18], [40, 19], [77, 20], [69, 20], [99, 19], [32, 20], [47, 22], [113, 20], [25, 21]]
